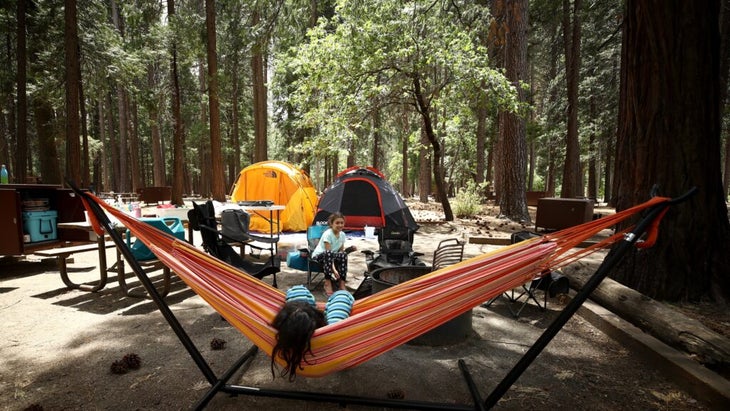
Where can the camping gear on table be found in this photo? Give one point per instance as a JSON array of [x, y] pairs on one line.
[[365, 198], [277, 182]]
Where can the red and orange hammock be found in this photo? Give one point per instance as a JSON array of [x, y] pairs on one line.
[[386, 319]]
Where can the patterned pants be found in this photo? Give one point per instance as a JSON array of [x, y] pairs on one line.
[[327, 258]]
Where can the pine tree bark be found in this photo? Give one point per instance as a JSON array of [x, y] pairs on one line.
[[572, 182], [439, 180], [669, 134], [158, 160], [21, 149], [258, 73], [178, 157], [216, 157], [71, 41], [513, 146]]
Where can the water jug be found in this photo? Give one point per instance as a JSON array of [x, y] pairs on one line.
[[4, 175]]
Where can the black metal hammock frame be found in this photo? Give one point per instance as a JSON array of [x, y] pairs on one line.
[[220, 383]]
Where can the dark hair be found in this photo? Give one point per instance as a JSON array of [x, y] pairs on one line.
[[295, 322], [334, 216]]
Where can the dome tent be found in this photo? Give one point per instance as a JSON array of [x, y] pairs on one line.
[[365, 198], [283, 184]]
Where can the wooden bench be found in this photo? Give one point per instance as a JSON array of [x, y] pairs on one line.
[[62, 253]]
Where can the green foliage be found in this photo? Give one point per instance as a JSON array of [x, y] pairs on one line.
[[368, 57], [468, 201]]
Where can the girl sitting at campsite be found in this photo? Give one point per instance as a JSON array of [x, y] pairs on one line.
[[332, 254], [296, 322]]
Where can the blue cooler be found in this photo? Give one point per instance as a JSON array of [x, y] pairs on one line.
[[170, 225], [40, 225]]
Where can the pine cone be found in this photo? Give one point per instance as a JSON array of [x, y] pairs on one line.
[[217, 344], [132, 361], [396, 394], [119, 367]]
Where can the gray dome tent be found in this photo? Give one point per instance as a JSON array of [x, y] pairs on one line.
[[366, 199]]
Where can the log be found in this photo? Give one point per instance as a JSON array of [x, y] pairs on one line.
[[659, 320]]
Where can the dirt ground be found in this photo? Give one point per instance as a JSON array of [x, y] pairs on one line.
[[58, 347]]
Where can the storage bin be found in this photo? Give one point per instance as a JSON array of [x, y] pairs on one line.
[[40, 225]]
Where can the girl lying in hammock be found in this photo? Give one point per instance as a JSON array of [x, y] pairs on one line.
[[296, 322]]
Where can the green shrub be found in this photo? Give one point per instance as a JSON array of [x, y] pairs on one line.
[[468, 201]]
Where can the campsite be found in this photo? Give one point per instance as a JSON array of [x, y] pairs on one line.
[[71, 370], [531, 200]]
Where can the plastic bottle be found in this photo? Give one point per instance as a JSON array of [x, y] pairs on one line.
[[4, 175]]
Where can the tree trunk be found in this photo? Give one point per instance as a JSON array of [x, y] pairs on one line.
[[86, 164], [113, 146], [21, 149], [376, 139], [258, 74], [572, 185], [593, 152], [216, 156], [158, 159], [201, 183], [234, 162], [670, 135], [481, 135], [438, 171], [135, 160], [724, 74], [178, 156], [424, 169], [105, 181], [50, 168], [513, 149], [71, 42], [404, 189]]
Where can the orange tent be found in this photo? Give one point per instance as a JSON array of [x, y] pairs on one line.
[[283, 184]]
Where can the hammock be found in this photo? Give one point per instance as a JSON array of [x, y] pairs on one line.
[[385, 320]]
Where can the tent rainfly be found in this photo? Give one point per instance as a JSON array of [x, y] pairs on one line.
[[365, 198], [283, 184]]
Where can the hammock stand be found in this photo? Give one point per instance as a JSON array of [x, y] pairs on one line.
[[221, 384]]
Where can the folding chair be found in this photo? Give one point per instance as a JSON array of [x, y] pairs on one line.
[[235, 228], [202, 218], [518, 298], [448, 252], [301, 259]]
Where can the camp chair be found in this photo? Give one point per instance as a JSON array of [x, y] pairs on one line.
[[301, 259], [202, 218], [396, 249], [235, 229], [551, 283], [448, 252]]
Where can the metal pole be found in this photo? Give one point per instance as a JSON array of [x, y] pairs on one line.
[[578, 300]]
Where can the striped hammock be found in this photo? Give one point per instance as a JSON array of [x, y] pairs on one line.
[[385, 320]]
